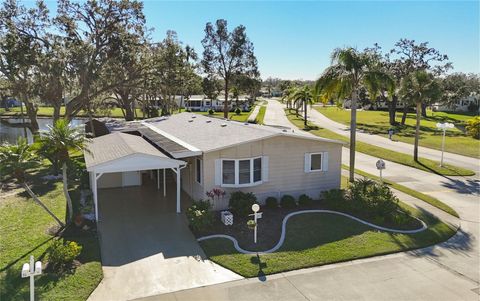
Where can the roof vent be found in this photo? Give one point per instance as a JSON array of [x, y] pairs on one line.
[[208, 121], [190, 120], [194, 116], [284, 131], [223, 125]]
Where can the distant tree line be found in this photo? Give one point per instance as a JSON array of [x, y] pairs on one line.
[[99, 54]]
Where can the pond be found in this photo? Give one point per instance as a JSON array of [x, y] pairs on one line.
[[11, 129]]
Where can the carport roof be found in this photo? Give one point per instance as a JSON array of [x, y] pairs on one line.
[[115, 146]]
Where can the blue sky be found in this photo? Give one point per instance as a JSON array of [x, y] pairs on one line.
[[293, 40]]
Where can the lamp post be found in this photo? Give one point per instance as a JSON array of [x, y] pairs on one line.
[[444, 127], [31, 270], [256, 215]]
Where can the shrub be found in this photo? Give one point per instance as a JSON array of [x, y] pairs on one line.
[[271, 202], [251, 224], [60, 255], [305, 200], [473, 127], [200, 216], [288, 202], [238, 111], [372, 199], [241, 202], [211, 112]]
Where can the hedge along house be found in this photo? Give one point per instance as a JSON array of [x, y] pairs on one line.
[[205, 152]]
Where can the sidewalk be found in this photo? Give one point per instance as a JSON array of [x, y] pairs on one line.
[[432, 154]]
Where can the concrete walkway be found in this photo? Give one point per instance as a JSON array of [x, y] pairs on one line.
[[253, 115], [447, 271], [432, 154], [147, 249]]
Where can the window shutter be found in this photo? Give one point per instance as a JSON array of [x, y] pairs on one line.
[[307, 162], [325, 161], [218, 172], [265, 168]]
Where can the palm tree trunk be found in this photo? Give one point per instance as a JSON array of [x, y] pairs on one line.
[[65, 192], [404, 116], [35, 198], [392, 109], [353, 129], [305, 113], [417, 131]]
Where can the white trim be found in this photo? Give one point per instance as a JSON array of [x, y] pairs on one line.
[[171, 137], [308, 162], [237, 173], [197, 165]]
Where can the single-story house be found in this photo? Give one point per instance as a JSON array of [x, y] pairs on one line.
[[205, 153], [202, 103]]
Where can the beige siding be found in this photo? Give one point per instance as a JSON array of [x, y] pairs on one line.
[[110, 180], [286, 167], [189, 183]]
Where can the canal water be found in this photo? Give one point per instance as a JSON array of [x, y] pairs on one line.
[[11, 129]]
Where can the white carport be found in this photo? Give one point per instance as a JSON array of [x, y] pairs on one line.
[[120, 153]]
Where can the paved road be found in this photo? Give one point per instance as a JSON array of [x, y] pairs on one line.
[[433, 154], [448, 271]]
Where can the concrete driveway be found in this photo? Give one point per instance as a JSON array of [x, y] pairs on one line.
[[147, 249]]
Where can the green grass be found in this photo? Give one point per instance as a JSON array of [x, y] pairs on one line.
[[318, 239], [260, 115], [48, 112], [23, 232], [387, 154], [242, 117], [416, 194], [376, 122]]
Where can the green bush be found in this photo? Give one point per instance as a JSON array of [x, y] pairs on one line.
[[60, 255], [305, 200], [288, 202], [200, 216], [473, 127], [238, 111], [211, 112], [271, 202], [241, 202]]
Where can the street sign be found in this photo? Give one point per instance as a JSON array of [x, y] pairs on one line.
[[380, 164]]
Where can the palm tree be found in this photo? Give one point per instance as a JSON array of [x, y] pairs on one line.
[[287, 96], [303, 96], [61, 139], [16, 160], [349, 71], [418, 88]]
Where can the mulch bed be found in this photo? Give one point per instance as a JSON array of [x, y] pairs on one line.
[[270, 226]]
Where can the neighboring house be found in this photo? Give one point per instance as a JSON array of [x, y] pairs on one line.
[[469, 104], [206, 153], [202, 103]]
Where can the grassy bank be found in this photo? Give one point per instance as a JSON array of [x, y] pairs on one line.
[[377, 122], [379, 152], [24, 228], [261, 115]]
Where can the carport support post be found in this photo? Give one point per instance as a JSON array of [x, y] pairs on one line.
[[178, 189], [95, 194], [158, 179], [164, 183]]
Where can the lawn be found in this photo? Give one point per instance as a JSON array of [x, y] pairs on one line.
[[261, 115], [376, 122], [24, 231], [318, 239], [48, 112], [242, 117], [379, 152]]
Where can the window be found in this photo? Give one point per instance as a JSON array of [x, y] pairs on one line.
[[198, 170], [241, 172], [228, 172], [316, 162]]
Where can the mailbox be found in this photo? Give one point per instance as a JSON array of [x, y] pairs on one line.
[[26, 270], [38, 268]]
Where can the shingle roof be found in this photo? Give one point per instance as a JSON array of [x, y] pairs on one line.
[[201, 133], [117, 145]]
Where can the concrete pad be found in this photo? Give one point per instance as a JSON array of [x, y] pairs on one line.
[[147, 249]]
